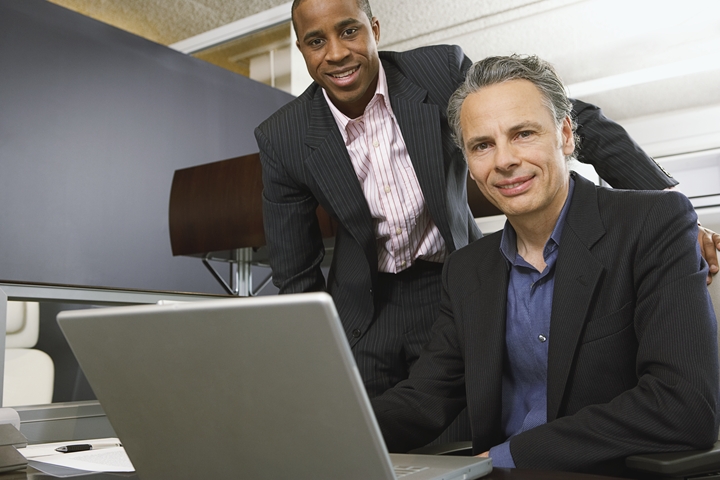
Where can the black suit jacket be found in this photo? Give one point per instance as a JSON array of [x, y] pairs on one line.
[[305, 163], [632, 362]]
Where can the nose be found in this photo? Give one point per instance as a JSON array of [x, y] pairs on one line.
[[337, 51], [505, 157]]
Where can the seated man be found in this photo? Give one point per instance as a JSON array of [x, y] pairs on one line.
[[583, 332]]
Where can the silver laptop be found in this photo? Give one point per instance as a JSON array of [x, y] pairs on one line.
[[261, 388]]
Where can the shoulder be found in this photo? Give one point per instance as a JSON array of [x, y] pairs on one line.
[[644, 205], [293, 116], [437, 54], [435, 62], [644, 220], [617, 207]]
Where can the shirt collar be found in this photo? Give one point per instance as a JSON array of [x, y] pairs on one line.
[[381, 93], [508, 242]]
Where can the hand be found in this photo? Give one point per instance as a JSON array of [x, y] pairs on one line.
[[709, 245], [487, 454]]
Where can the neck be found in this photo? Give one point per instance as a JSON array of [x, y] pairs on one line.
[[356, 109], [533, 229]]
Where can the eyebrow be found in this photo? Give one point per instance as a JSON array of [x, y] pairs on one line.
[[525, 125], [338, 26]]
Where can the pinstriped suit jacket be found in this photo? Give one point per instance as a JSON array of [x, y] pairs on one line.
[[632, 363], [305, 163]]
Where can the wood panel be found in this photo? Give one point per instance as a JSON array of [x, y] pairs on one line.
[[218, 207]]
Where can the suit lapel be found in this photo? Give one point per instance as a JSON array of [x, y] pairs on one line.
[[420, 126], [577, 278], [332, 169]]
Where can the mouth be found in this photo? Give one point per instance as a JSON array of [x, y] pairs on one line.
[[514, 186], [344, 74], [345, 77]]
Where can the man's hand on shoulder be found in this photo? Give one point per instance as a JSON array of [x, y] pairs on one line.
[[709, 245]]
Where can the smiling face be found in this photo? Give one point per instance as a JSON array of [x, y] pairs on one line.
[[339, 45], [515, 151]]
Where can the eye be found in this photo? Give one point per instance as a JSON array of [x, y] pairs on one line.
[[479, 147], [315, 42], [525, 134], [350, 31]]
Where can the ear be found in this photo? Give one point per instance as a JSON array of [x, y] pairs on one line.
[[567, 137], [375, 24], [471, 175]]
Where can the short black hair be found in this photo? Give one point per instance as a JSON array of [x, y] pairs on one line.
[[363, 5]]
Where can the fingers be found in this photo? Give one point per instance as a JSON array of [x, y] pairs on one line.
[[709, 242]]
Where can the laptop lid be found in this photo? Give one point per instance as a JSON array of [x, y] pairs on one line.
[[261, 387]]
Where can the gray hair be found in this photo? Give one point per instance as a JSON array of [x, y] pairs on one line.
[[494, 70]]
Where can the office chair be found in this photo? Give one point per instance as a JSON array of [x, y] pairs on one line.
[[29, 373]]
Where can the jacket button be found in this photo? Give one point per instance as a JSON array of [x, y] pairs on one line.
[[356, 333]]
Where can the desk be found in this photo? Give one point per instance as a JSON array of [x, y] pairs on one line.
[[496, 474]]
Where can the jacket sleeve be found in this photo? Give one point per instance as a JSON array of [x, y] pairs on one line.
[[673, 406], [616, 157], [459, 64], [292, 231]]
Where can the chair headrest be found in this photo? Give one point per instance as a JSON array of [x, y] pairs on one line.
[[23, 324]]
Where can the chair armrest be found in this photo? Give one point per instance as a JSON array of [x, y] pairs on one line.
[[678, 464], [463, 449]]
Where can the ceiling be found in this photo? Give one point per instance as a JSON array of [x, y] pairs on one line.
[[585, 39]]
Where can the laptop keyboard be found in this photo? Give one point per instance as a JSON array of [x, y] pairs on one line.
[[405, 470]]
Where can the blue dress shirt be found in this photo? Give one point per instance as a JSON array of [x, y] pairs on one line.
[[527, 336]]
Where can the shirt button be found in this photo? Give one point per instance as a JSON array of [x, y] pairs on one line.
[[376, 144], [542, 338], [356, 333], [398, 230], [403, 263], [387, 189]]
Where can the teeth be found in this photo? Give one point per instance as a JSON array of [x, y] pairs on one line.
[[512, 185], [345, 74]]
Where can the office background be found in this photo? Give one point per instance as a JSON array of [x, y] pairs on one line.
[[94, 120]]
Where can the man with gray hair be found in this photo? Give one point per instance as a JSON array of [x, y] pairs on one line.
[[581, 333]]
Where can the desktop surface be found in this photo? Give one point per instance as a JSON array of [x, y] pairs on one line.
[[496, 474]]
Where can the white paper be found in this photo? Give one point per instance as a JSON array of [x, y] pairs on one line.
[[102, 458]]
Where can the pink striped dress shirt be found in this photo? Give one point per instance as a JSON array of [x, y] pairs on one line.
[[403, 228]]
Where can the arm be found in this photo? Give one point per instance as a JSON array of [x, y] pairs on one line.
[[673, 407], [616, 157], [292, 231], [459, 64]]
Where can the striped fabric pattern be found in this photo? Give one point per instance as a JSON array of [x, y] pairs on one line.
[[403, 227]]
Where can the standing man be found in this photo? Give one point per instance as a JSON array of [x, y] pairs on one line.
[[370, 142], [580, 334]]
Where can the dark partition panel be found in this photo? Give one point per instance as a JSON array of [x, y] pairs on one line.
[[93, 123]]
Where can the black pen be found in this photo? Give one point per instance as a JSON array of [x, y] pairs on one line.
[[80, 447], [83, 447]]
